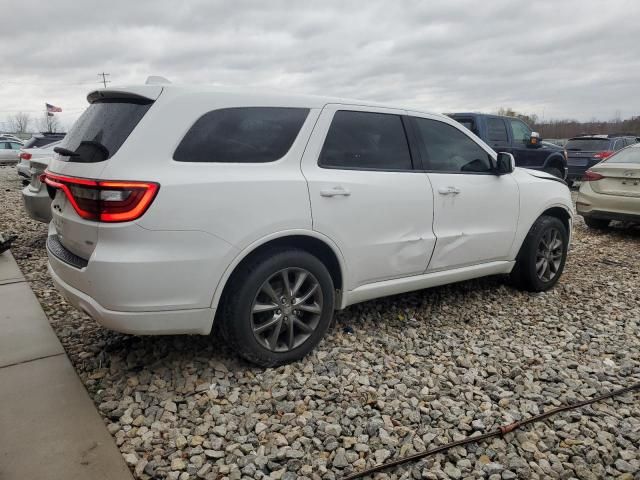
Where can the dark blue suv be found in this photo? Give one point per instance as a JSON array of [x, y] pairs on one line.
[[585, 151], [512, 135]]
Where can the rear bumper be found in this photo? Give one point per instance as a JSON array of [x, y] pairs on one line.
[[37, 204], [167, 322], [24, 170], [576, 172], [607, 207]]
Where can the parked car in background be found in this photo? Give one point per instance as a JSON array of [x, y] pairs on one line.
[[512, 135], [27, 155], [9, 152], [10, 138], [35, 196], [585, 151], [611, 189], [270, 211], [39, 140]]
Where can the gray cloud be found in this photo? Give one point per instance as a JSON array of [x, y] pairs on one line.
[[572, 59]]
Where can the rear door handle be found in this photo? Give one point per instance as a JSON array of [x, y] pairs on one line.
[[334, 192], [448, 191]]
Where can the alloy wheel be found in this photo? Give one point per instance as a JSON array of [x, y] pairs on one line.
[[286, 310], [549, 255]]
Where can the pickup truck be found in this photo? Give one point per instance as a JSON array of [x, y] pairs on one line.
[[512, 135]]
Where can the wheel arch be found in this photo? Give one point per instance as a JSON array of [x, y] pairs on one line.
[[312, 242], [555, 160]]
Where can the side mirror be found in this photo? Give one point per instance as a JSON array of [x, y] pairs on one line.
[[535, 140], [505, 163]]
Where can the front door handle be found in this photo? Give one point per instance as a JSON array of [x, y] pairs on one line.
[[448, 191], [334, 192]]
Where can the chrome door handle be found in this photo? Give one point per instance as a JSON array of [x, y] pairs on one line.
[[334, 192], [448, 191]]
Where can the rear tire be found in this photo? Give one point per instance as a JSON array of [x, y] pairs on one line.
[[597, 223], [268, 314], [556, 172], [542, 256]]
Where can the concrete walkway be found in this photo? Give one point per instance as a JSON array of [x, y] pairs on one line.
[[49, 427]]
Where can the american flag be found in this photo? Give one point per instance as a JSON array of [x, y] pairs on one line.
[[52, 108]]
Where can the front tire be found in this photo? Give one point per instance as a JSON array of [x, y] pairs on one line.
[[542, 256], [556, 172], [277, 307]]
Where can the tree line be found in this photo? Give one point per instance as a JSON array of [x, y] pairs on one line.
[[22, 122], [571, 128]]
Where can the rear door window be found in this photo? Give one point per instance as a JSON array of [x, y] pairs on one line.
[[242, 135], [497, 130], [366, 140], [102, 129]]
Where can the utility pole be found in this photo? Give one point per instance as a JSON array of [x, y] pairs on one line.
[[104, 78]]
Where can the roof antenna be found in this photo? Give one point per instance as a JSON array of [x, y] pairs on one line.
[[156, 80]]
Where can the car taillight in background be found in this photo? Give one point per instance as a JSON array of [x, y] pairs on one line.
[[591, 176], [105, 200], [25, 156], [603, 155]]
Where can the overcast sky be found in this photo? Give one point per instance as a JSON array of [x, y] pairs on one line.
[[568, 59]]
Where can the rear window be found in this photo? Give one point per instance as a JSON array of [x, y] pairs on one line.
[[102, 129], [628, 155], [587, 144], [497, 130], [242, 135]]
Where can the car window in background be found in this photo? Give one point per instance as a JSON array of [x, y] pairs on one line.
[[450, 150], [520, 132], [588, 144], [467, 123], [628, 155], [618, 144], [5, 146], [242, 135], [16, 146], [497, 130], [366, 140]]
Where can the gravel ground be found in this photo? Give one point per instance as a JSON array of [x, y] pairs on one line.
[[392, 377]]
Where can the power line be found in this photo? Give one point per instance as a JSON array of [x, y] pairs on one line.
[[104, 78]]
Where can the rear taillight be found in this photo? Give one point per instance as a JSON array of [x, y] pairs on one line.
[[25, 156], [105, 201], [591, 176], [603, 155]]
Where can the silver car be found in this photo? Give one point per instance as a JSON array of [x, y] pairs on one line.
[[9, 152], [36, 198]]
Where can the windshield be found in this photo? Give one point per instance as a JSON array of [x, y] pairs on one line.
[[102, 129], [627, 155], [588, 144]]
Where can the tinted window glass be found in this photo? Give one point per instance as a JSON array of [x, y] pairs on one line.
[[467, 123], [16, 146], [102, 129], [366, 140], [241, 135], [587, 144], [450, 150], [628, 155], [520, 132], [5, 146], [497, 130]]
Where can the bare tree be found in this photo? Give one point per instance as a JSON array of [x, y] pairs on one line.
[[49, 123], [19, 123]]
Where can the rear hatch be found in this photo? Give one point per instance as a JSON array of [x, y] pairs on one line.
[[582, 152], [621, 174], [81, 158]]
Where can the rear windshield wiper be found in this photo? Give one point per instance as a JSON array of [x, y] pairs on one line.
[[66, 152]]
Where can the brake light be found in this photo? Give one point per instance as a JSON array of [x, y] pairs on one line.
[[105, 201], [25, 156], [603, 155], [591, 176]]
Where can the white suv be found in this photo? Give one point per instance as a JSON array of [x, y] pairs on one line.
[[176, 206]]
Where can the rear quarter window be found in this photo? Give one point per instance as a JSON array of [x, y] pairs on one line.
[[242, 135]]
